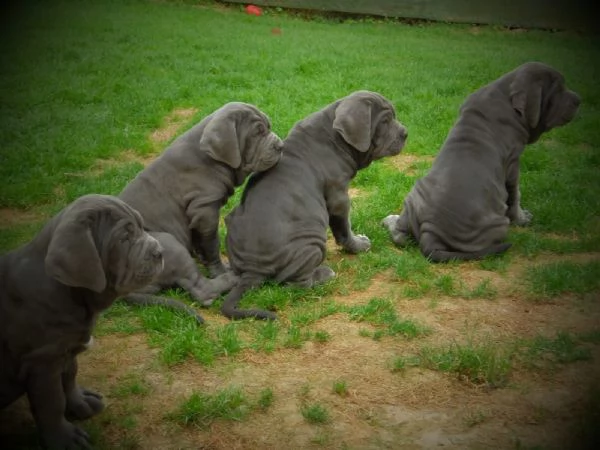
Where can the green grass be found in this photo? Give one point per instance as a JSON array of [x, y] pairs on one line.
[[563, 348], [90, 79], [315, 413], [265, 399], [474, 418], [400, 363], [490, 363], [201, 409], [322, 336], [382, 314], [132, 385], [484, 289], [340, 387], [563, 277], [87, 80], [475, 363], [296, 337], [266, 336], [304, 315]]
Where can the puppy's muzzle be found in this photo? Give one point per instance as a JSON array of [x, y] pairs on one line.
[[399, 141], [403, 133]]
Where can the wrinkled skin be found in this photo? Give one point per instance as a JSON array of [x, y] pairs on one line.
[[182, 191], [52, 290], [463, 207], [278, 231]]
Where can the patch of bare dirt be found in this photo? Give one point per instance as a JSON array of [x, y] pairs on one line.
[[410, 164], [173, 122], [10, 217], [354, 192], [160, 137], [415, 408], [124, 157], [172, 125]]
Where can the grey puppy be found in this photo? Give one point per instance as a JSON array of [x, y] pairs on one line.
[[279, 229], [180, 195], [462, 208], [51, 292]]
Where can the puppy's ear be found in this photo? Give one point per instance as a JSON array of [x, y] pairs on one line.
[[72, 256], [526, 98], [353, 122], [220, 140]]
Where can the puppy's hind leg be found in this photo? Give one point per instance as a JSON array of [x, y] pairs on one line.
[[320, 275], [181, 270], [206, 290], [436, 252]]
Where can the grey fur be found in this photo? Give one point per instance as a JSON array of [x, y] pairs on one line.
[[462, 208], [51, 292], [181, 193], [279, 229]]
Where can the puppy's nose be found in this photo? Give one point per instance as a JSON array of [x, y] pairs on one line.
[[403, 133]]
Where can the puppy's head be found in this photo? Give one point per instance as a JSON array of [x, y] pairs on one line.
[[539, 95], [367, 121], [239, 135], [99, 243]]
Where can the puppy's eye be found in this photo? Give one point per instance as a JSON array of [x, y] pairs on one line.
[[260, 129]]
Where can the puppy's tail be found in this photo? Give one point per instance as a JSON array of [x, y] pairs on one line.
[[445, 256], [229, 308], [154, 300]]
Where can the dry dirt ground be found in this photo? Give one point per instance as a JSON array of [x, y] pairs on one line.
[[414, 408], [411, 409]]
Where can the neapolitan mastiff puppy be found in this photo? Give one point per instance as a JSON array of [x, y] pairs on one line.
[[462, 208], [51, 292], [180, 195], [279, 229]]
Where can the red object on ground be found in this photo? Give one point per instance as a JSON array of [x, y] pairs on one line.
[[254, 10]]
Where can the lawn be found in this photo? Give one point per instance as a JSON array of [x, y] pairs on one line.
[[393, 353]]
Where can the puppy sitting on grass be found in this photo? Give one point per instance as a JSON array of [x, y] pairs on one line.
[[462, 208], [181, 193], [51, 293]]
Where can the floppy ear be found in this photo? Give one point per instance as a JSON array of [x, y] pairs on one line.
[[526, 98], [73, 258], [220, 141], [353, 122]]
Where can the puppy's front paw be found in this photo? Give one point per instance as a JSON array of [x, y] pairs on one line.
[[390, 222], [358, 243], [83, 403], [322, 274], [214, 270], [211, 288], [400, 238], [523, 218], [67, 436]]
